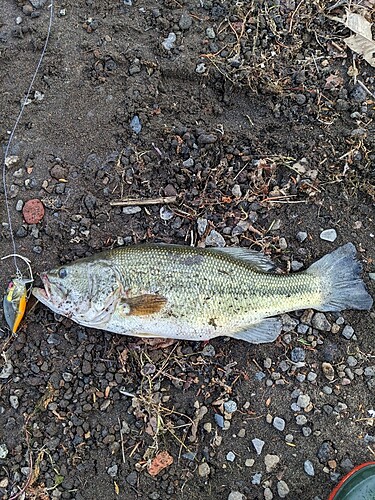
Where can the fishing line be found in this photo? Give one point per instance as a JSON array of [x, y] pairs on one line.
[[4, 171]]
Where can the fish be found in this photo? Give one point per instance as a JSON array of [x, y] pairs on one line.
[[187, 293]]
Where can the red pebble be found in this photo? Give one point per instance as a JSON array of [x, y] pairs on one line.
[[33, 211]]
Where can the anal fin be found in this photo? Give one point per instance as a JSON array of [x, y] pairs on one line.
[[266, 330]]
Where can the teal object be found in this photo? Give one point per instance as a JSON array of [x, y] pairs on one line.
[[358, 486]]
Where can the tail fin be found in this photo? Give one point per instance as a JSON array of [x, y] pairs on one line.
[[340, 271]]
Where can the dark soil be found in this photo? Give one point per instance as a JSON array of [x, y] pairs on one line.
[[263, 127]]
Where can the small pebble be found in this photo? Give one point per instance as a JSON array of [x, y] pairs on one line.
[[3, 451], [230, 406], [219, 419], [297, 354], [112, 471], [279, 423], [131, 210], [249, 462], [267, 363], [168, 43], [352, 361], [301, 420], [289, 438], [301, 236], [231, 456], [320, 322], [201, 68], [208, 351], [267, 493], [309, 468], [328, 235], [210, 32], [328, 371], [14, 402], [236, 495], [214, 239], [204, 469], [166, 213], [311, 376], [282, 489], [135, 124], [303, 400], [306, 431], [271, 462], [33, 211], [256, 479], [347, 332], [258, 445]]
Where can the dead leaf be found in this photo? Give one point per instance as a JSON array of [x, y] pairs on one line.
[[159, 343], [361, 42], [333, 81], [160, 462]]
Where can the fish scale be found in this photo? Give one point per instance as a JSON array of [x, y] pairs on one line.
[[197, 294]]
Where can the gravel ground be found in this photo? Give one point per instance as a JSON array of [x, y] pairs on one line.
[[256, 120]]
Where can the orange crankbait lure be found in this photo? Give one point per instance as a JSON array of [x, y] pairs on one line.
[[16, 297], [14, 303]]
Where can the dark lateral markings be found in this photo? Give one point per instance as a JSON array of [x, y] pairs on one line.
[[224, 271], [212, 322]]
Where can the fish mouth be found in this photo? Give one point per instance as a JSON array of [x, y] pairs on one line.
[[45, 292]]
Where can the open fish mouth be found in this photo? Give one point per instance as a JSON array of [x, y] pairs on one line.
[[43, 293]]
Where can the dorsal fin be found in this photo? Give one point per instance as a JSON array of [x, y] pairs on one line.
[[257, 260]]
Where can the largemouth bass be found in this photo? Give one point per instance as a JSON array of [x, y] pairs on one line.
[[197, 294]]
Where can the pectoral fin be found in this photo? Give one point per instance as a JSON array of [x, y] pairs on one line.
[[266, 331], [142, 305]]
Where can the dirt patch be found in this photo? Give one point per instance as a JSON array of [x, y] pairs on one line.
[[258, 121]]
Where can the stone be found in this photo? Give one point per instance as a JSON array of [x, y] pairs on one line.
[[267, 493], [301, 236], [249, 462], [258, 445], [328, 371], [256, 479], [347, 332], [309, 468], [282, 489], [135, 124], [279, 423], [271, 462], [230, 406], [301, 420], [328, 235], [168, 43], [204, 469], [7, 370], [297, 354], [207, 139], [214, 239], [236, 495], [131, 210], [132, 478], [219, 419], [3, 451], [320, 322], [230, 456], [326, 452], [303, 400], [112, 470]]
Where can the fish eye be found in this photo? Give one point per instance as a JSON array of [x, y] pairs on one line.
[[62, 272]]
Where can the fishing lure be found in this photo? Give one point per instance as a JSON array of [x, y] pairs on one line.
[[16, 297]]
